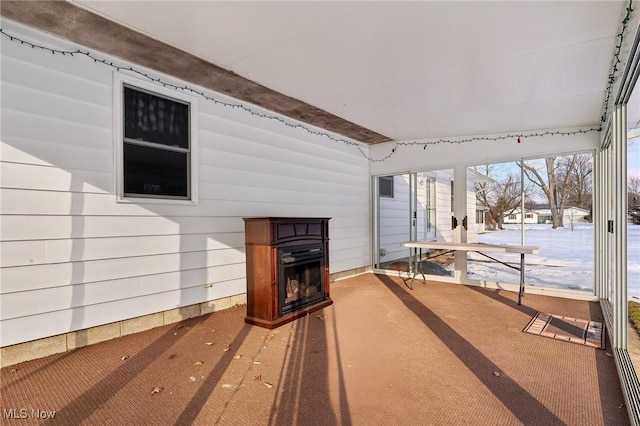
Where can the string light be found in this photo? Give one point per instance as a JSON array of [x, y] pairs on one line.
[[516, 136], [185, 88], [616, 61], [610, 81]]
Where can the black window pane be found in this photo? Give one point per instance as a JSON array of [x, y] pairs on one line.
[[155, 119], [385, 184], [158, 172]]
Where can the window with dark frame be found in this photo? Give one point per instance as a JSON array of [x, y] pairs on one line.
[[385, 186], [430, 208], [156, 146], [452, 197]]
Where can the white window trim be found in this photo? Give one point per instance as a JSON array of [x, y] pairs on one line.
[[119, 79]]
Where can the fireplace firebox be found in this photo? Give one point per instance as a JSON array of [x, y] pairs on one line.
[[300, 277], [287, 268]]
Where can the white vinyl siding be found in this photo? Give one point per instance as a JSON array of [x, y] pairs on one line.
[[444, 207], [394, 213], [394, 220], [472, 224], [73, 257]]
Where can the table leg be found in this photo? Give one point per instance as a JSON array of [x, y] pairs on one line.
[[521, 292], [414, 265]]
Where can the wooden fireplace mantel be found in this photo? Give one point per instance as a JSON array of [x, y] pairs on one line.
[[265, 237]]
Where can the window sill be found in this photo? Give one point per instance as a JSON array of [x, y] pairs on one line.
[[143, 200]]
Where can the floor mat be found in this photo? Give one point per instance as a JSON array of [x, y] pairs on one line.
[[582, 332]]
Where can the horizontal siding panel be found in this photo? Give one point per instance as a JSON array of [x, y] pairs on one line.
[[45, 300], [232, 192], [336, 232], [34, 327], [276, 144], [17, 253], [348, 264], [58, 203], [47, 153], [397, 227], [47, 178], [27, 328], [394, 208], [352, 221], [16, 201], [26, 227], [278, 165], [67, 82], [20, 253], [360, 253], [337, 244], [395, 238], [391, 219], [193, 278], [313, 181], [21, 278], [78, 66], [242, 209], [56, 107], [18, 126]]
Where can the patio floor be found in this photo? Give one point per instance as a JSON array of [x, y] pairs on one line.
[[442, 354]]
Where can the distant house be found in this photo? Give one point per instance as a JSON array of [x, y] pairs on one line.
[[530, 216], [570, 215]]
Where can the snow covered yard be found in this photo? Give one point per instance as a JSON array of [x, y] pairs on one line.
[[565, 259]]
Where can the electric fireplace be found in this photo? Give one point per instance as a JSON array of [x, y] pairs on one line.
[[287, 268]]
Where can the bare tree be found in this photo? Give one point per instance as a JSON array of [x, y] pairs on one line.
[[633, 203], [579, 192], [553, 181], [502, 197]]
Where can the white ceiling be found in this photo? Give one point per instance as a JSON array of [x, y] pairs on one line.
[[407, 70]]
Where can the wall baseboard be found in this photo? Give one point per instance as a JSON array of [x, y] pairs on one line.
[[21, 352]]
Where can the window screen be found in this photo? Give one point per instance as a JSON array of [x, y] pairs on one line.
[[156, 146]]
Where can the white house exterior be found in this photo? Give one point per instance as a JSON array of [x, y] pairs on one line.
[[76, 256], [434, 211], [571, 215], [530, 216]]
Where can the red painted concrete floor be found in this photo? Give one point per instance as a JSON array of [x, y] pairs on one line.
[[441, 354]]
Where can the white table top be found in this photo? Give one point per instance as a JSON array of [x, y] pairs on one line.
[[480, 247]]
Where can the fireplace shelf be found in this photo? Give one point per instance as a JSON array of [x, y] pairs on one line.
[[287, 268]]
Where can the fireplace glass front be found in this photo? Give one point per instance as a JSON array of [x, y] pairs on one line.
[[301, 277]]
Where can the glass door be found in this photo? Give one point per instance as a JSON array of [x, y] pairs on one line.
[[395, 220], [633, 227], [408, 207], [543, 202]]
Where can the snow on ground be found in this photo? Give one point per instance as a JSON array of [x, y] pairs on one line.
[[565, 259]]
